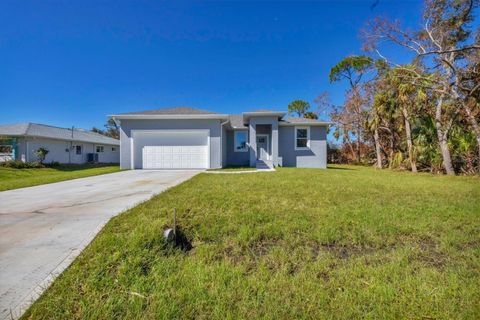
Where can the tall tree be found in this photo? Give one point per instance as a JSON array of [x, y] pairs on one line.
[[299, 107], [442, 44], [111, 131], [352, 69]]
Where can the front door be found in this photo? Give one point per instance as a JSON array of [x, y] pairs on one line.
[[262, 147]]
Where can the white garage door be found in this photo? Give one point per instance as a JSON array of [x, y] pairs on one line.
[[170, 149]]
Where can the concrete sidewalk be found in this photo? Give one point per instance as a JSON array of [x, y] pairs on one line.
[[44, 228]]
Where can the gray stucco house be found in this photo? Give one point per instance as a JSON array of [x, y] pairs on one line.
[[20, 141], [184, 137]]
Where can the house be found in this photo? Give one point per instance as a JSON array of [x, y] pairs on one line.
[[76, 146], [184, 137]]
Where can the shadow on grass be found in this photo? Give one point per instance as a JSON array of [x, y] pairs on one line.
[[339, 168]]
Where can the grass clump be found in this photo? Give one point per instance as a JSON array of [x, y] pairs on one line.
[[345, 243]]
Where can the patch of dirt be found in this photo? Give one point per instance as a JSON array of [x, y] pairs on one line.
[[342, 251], [430, 253]]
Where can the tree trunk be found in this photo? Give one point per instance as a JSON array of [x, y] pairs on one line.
[[408, 132], [393, 146], [359, 151], [475, 126], [442, 136], [378, 150], [347, 139]]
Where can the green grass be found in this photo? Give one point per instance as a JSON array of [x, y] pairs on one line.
[[11, 178], [342, 243]]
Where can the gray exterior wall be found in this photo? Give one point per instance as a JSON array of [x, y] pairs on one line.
[[58, 151], [274, 142], [126, 126], [235, 158], [316, 157]]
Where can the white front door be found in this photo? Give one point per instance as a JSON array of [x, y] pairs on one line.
[[262, 147]]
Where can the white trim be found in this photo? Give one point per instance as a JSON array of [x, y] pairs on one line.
[[269, 156], [116, 117], [132, 152], [295, 138], [305, 124], [169, 130], [235, 140], [207, 131]]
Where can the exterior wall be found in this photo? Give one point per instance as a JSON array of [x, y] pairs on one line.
[[224, 146], [126, 126], [316, 157], [110, 154], [254, 121], [61, 151], [235, 158]]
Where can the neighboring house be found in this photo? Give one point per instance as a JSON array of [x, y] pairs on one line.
[[185, 137], [21, 141]]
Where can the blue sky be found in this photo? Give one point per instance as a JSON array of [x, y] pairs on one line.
[[70, 63]]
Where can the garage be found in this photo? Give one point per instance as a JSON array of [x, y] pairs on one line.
[[171, 149]]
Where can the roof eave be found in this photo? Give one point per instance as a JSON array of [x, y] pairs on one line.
[[326, 124], [169, 116]]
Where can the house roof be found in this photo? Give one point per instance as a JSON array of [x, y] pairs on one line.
[[236, 121], [303, 121], [175, 112], [46, 131]]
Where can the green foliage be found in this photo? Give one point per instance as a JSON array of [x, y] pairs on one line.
[[349, 67], [310, 115], [299, 107], [17, 164], [344, 243], [41, 153]]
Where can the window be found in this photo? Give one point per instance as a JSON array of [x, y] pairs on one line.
[[114, 149], [99, 149], [240, 143], [6, 149], [302, 138], [78, 149]]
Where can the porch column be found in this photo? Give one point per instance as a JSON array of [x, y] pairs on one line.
[[275, 143], [252, 137]]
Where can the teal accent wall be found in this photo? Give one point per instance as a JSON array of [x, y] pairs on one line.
[[14, 143]]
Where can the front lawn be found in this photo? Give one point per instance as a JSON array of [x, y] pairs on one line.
[[11, 178], [343, 243]]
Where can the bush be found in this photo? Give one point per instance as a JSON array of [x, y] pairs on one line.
[[22, 165], [52, 164]]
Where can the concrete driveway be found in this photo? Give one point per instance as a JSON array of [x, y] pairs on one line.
[[43, 228]]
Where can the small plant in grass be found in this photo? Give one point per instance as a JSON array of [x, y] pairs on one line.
[[41, 153]]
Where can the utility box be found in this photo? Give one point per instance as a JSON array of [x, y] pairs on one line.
[[92, 157]]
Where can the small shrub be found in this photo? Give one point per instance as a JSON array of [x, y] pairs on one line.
[[53, 164], [41, 153], [16, 164]]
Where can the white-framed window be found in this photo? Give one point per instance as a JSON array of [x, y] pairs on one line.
[[99, 149], [302, 138], [78, 149], [240, 141]]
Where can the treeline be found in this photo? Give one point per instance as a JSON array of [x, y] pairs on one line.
[[420, 116]]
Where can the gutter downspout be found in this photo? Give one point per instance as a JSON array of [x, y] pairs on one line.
[[221, 139]]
